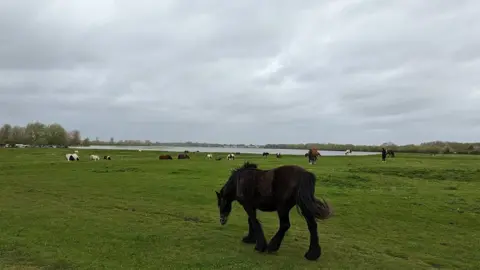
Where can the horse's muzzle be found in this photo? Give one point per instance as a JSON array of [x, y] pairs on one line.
[[223, 220]]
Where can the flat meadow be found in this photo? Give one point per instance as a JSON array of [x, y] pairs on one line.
[[138, 212]]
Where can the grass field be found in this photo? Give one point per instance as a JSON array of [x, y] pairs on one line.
[[136, 212]]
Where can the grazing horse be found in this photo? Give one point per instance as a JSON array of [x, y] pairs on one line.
[[231, 156], [94, 157], [278, 189], [237, 153], [183, 156], [279, 155], [348, 151], [390, 153], [72, 157], [265, 154], [209, 156], [218, 158], [165, 157], [107, 158], [313, 155]]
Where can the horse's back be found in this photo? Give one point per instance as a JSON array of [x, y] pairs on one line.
[[287, 178], [265, 189], [288, 171]]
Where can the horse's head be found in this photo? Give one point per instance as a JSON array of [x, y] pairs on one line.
[[228, 192], [224, 203]]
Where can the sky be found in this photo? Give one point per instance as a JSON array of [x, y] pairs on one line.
[[271, 71]]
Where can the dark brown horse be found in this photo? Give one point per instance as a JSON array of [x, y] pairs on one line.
[[390, 153], [278, 189], [183, 156], [165, 157]]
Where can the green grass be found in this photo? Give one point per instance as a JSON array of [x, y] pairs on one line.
[[136, 212]]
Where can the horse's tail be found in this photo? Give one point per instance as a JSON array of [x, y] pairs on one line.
[[307, 204]]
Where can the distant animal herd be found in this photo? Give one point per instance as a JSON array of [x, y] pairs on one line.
[[312, 155], [75, 157]]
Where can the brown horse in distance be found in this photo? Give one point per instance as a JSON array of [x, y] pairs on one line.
[[278, 189], [312, 155], [183, 156], [165, 157]]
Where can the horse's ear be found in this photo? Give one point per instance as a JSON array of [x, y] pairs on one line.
[[218, 194]]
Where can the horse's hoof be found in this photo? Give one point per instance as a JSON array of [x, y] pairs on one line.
[[261, 248], [313, 254], [249, 240], [272, 248]]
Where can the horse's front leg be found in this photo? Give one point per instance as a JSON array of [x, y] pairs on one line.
[[261, 243], [250, 237], [284, 218]]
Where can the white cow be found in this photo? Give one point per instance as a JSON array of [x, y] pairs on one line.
[[231, 156], [348, 151], [94, 157], [209, 156], [72, 157]]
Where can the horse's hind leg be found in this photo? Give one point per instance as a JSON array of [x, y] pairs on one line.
[[284, 218], [314, 250], [250, 237]]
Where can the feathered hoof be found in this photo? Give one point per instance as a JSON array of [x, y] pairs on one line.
[[261, 248], [248, 240], [313, 254]]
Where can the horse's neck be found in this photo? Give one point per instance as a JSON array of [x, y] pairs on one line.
[[229, 189]]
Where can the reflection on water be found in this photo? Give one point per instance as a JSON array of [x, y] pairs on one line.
[[298, 152]]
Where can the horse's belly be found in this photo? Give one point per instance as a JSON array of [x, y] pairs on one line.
[[262, 205], [266, 206]]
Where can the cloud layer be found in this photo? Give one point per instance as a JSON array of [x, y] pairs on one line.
[[245, 72]]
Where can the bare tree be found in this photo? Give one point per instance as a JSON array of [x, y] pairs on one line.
[[86, 142], [74, 137], [5, 132], [17, 135]]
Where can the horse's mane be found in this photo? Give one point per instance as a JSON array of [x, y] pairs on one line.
[[246, 166]]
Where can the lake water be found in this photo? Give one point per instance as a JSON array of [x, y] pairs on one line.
[[299, 152]]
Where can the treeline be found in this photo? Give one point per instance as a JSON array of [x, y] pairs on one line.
[[436, 147], [179, 144], [39, 134]]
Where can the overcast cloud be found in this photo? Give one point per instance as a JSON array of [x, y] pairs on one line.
[[271, 71]]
